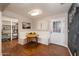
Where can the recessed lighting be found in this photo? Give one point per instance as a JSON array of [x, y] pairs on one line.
[[35, 12]]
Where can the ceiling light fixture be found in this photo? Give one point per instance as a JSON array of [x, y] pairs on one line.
[[35, 12]]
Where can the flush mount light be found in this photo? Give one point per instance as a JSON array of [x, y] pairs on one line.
[[35, 12]]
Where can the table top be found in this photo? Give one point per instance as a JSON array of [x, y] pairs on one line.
[[32, 35]]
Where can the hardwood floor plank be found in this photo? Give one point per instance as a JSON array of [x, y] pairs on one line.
[[15, 49]]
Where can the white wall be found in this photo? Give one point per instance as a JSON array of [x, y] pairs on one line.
[[44, 22], [23, 32], [0, 34]]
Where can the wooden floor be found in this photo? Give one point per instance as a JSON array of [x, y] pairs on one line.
[[14, 49]]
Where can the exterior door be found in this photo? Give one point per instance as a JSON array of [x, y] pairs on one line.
[[58, 31]]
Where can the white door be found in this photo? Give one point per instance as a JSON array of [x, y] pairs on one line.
[[58, 31]]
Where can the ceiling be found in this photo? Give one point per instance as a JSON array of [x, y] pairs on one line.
[[48, 9], [3, 6]]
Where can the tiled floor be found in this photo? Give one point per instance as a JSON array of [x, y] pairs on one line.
[[14, 49]]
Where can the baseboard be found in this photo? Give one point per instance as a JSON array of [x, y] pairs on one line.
[[69, 51], [59, 44], [64, 46], [43, 43]]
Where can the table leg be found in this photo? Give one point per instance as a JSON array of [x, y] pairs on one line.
[[27, 40], [36, 41]]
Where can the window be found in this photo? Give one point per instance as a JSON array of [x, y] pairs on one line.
[[56, 26]]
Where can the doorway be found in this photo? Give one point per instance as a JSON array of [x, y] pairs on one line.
[[9, 35]]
